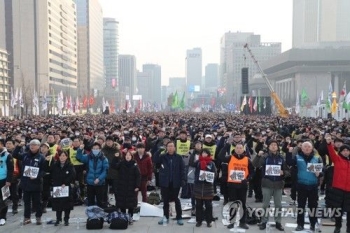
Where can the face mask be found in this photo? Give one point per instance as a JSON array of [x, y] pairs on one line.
[[133, 138], [95, 151]]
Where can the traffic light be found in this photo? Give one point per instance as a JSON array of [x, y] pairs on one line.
[[245, 84]]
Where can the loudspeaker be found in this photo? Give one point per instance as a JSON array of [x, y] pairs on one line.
[[245, 84]]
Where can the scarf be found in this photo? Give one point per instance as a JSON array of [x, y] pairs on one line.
[[204, 161]]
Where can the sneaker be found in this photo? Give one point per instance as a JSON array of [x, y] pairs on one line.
[[66, 222], [209, 224], [163, 220], [230, 226], [2, 222], [244, 226], [27, 221], [279, 226], [180, 222], [299, 228], [38, 221]]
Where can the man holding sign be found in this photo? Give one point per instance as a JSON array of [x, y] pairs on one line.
[[240, 170], [309, 170], [33, 170], [273, 168]]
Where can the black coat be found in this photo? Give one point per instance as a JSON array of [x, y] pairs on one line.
[[62, 175], [128, 180]]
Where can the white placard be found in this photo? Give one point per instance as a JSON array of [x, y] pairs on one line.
[[237, 175], [206, 176], [273, 170], [31, 172], [314, 167], [60, 191], [5, 191]]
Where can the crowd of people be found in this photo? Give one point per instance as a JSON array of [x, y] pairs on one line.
[[191, 155]]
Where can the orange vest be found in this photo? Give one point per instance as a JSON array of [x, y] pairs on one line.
[[237, 169]]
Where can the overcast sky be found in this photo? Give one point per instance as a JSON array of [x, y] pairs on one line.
[[160, 31]]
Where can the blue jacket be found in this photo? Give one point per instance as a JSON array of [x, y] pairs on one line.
[[97, 167], [176, 172]]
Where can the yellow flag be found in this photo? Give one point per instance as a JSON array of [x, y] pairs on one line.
[[334, 106]]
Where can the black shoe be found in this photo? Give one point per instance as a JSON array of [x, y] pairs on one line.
[[57, 223], [258, 200], [230, 226], [336, 230], [299, 228], [198, 224], [209, 224], [279, 226], [244, 226], [262, 226], [66, 222]]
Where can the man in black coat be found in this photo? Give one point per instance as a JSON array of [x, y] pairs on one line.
[[172, 176]]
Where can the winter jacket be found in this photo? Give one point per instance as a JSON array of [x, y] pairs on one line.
[[110, 152], [305, 178], [6, 168], [204, 189], [268, 181], [145, 165], [97, 167], [35, 160], [62, 175], [174, 173], [128, 180], [341, 176]]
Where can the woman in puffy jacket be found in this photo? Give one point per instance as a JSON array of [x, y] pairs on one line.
[[339, 194]]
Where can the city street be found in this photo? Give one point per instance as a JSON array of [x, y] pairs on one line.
[[149, 224]]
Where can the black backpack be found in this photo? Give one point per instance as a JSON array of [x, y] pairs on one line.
[[94, 223], [252, 216]]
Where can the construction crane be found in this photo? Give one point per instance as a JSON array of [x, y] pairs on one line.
[[283, 112]]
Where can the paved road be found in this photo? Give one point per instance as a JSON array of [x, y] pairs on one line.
[[144, 224]]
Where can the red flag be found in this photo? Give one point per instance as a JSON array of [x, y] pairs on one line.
[[111, 106], [85, 102], [251, 104], [92, 100], [212, 102]]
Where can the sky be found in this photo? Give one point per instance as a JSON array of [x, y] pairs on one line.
[[160, 31]]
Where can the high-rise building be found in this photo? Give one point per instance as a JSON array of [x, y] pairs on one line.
[[320, 21], [155, 84], [211, 76], [127, 75], [41, 40], [90, 47], [235, 57], [2, 25], [110, 50], [144, 80], [4, 83], [193, 68]]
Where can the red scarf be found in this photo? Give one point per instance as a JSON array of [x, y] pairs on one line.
[[204, 161]]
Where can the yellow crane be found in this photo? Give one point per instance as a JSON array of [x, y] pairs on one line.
[[282, 111]]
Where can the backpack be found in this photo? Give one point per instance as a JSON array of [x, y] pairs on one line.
[[118, 220], [153, 198], [94, 223], [252, 216]]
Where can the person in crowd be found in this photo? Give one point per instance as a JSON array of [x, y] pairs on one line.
[[239, 173], [63, 175], [110, 149], [194, 156], [172, 177], [274, 168], [307, 182], [144, 162], [47, 179], [339, 194], [205, 173], [32, 173], [6, 176], [127, 184], [97, 167], [10, 146]]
